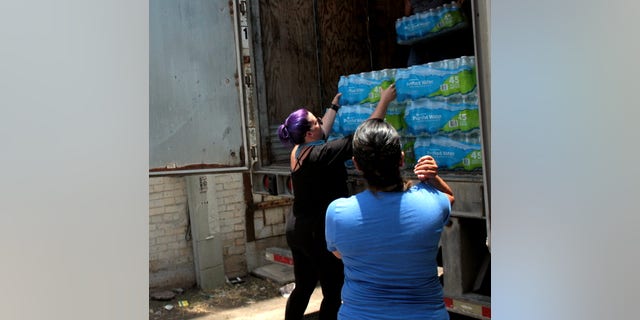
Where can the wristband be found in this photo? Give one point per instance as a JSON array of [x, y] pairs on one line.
[[335, 107]]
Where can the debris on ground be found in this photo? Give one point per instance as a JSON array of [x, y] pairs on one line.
[[286, 290], [237, 292]]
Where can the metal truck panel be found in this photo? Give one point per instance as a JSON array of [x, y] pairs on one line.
[[196, 113]]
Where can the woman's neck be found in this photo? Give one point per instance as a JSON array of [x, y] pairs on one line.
[[392, 188]]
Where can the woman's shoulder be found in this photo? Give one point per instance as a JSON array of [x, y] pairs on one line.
[[422, 187]]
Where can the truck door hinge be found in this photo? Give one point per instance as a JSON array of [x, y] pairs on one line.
[[247, 80], [243, 7]]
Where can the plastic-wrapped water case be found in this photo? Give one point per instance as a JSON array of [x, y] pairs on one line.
[[427, 116], [395, 116], [442, 78], [364, 87], [450, 154], [351, 116], [428, 24]]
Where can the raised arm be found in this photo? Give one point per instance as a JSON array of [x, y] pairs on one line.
[[386, 96], [330, 115], [427, 171]]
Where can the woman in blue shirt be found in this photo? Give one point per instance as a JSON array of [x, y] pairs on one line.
[[387, 235]]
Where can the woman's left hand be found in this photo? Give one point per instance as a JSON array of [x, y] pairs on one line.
[[426, 168]]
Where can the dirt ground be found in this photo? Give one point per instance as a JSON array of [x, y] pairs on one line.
[[253, 298]]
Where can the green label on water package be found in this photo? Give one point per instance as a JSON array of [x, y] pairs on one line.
[[395, 116], [448, 20], [465, 120], [470, 162], [462, 82], [374, 94]]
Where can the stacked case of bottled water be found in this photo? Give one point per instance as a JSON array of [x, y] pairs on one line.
[[435, 112], [430, 23], [441, 114], [360, 95]]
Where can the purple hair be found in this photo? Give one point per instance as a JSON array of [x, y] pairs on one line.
[[292, 131]]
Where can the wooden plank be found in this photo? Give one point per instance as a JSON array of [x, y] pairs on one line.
[[290, 56], [357, 36], [385, 52], [344, 47]]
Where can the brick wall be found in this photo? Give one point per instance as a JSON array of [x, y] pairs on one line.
[[269, 222], [170, 251], [231, 208], [171, 261]]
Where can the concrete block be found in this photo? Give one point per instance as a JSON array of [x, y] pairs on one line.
[[279, 255], [279, 273]]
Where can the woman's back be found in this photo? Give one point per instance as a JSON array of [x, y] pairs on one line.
[[388, 242]]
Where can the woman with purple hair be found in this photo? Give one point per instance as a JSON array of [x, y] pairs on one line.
[[319, 177]]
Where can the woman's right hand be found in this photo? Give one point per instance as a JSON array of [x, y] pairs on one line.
[[387, 95]]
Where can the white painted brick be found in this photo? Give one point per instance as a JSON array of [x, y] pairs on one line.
[[156, 203], [228, 243], [223, 178], [225, 193], [156, 211], [226, 229], [171, 216], [234, 235], [239, 212], [232, 207], [166, 239], [258, 223], [158, 248], [175, 193], [168, 201], [173, 231], [175, 245], [155, 219], [155, 195], [273, 216], [156, 233], [181, 201], [264, 232], [236, 250], [278, 229], [234, 185], [232, 221], [175, 208]]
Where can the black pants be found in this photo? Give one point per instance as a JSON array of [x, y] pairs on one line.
[[312, 262]]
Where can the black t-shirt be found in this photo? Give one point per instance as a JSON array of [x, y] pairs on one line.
[[321, 178]]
